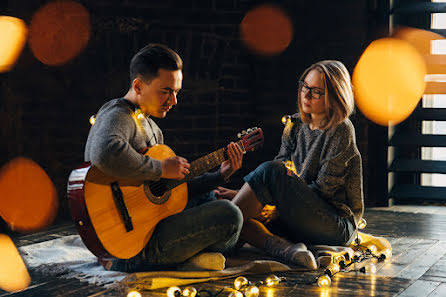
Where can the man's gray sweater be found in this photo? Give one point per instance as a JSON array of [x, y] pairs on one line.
[[117, 138]]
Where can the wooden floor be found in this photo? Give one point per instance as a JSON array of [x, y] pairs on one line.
[[417, 268]]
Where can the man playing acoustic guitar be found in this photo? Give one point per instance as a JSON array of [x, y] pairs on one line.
[[116, 145]]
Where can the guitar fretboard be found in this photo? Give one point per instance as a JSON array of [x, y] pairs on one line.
[[203, 164]]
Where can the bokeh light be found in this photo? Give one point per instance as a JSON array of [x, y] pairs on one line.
[[13, 273], [420, 39], [389, 81], [12, 39], [28, 198], [266, 30], [425, 42], [59, 31]]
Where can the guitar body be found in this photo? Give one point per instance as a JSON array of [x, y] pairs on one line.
[[116, 217], [98, 214]]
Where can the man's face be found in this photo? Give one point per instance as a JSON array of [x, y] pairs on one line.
[[158, 96]]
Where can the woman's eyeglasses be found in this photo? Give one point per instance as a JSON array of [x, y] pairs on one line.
[[315, 93]]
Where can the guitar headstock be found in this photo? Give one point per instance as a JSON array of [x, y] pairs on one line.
[[251, 138]]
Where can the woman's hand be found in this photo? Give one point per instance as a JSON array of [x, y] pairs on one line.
[[224, 193]]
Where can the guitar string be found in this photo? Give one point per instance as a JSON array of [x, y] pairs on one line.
[[197, 164], [156, 186]]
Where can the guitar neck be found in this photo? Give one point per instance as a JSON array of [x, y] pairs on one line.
[[204, 164]]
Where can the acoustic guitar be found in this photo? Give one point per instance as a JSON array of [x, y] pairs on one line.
[[116, 217]]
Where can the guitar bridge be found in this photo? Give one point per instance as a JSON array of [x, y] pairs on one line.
[[120, 205]]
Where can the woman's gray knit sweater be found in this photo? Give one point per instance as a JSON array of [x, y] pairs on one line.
[[329, 162]]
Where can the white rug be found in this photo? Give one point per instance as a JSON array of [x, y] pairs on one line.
[[68, 257]]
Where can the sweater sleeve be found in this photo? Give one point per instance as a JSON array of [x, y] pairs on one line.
[[205, 183], [111, 152], [288, 143], [354, 188]]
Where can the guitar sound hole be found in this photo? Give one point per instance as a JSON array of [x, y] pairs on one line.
[[157, 192], [157, 188]]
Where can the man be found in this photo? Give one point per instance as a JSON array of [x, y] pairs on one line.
[[115, 143]]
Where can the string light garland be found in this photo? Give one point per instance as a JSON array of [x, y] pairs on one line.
[[92, 119], [342, 262], [242, 287], [138, 114], [134, 294]]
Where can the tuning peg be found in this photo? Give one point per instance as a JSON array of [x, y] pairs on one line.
[[239, 135], [249, 130], [243, 132]]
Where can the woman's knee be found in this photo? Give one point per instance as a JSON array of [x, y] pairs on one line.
[[271, 169]]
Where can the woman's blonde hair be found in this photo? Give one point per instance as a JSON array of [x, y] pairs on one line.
[[340, 103]]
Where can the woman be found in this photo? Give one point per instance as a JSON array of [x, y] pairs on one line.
[[322, 201]]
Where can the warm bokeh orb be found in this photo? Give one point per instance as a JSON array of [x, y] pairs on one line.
[[423, 41], [13, 273], [389, 81], [28, 198], [59, 31], [420, 39], [266, 30], [12, 39]]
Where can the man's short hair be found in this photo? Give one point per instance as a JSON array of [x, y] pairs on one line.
[[147, 62]]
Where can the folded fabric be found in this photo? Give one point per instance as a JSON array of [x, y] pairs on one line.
[[204, 261], [160, 279]]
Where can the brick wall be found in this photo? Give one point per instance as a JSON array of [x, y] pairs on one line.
[[44, 110]]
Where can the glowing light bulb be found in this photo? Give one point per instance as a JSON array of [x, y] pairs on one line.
[[139, 114], [334, 268], [285, 119], [173, 292], [235, 294], [134, 294], [324, 281], [339, 258], [189, 292], [251, 291], [386, 254], [372, 248], [362, 223], [92, 119], [240, 282], [272, 280]]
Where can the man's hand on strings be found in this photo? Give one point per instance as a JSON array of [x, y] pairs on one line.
[[234, 162]]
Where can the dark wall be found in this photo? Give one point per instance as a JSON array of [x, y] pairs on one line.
[[44, 110]]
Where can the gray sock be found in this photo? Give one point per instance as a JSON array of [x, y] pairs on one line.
[[293, 253]]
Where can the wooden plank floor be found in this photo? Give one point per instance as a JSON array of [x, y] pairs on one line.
[[417, 268]]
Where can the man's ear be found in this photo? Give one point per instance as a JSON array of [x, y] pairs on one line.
[[137, 86]]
